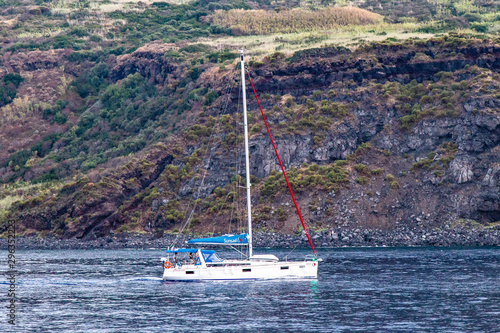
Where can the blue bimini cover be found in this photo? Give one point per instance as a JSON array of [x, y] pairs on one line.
[[182, 251], [222, 240]]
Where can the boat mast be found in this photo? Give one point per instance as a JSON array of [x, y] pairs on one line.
[[247, 158]]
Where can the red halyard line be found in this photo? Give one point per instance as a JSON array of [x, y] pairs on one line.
[[282, 168]]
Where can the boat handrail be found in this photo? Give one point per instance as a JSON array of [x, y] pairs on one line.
[[310, 257]]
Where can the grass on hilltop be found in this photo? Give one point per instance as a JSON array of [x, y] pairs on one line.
[[288, 43], [296, 20]]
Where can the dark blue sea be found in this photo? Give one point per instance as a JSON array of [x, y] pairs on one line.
[[358, 290]]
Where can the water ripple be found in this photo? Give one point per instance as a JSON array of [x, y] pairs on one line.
[[358, 290]]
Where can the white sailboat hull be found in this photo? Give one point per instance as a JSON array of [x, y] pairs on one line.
[[244, 270]]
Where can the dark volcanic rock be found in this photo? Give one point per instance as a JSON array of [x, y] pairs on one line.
[[457, 236], [148, 60]]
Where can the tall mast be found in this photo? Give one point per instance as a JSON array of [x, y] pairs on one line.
[[247, 158]]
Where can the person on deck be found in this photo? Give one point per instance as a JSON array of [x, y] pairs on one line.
[[195, 258]]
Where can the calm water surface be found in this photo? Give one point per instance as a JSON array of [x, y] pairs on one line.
[[358, 290]]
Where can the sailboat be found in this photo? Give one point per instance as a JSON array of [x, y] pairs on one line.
[[201, 264]]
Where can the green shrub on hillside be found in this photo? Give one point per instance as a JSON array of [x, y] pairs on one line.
[[222, 56], [326, 177], [93, 81], [8, 87]]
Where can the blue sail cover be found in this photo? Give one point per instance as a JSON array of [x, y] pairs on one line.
[[182, 251], [221, 240]]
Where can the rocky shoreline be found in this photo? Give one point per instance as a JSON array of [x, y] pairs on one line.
[[458, 236]]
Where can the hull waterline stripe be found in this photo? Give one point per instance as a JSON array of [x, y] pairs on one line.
[[281, 165]]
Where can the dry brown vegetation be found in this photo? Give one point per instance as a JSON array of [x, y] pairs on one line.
[[295, 20]]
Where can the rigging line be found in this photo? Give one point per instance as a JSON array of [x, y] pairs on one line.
[[230, 217], [286, 257], [239, 157], [235, 206], [239, 219], [281, 165], [232, 207], [235, 249], [228, 90], [222, 206], [190, 215], [188, 221]]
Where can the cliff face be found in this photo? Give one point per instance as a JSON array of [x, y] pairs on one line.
[[313, 69], [392, 135], [466, 188], [435, 183], [149, 61]]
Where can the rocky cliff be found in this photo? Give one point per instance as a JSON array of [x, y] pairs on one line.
[[392, 136]]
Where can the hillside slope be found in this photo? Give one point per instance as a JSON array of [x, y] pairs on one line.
[[392, 134], [124, 117]]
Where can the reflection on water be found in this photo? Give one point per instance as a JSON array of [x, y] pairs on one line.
[[314, 287], [370, 290]]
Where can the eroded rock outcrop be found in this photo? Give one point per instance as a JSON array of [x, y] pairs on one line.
[[149, 61]]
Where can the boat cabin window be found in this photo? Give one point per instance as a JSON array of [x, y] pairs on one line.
[[227, 264], [247, 269], [284, 267]]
